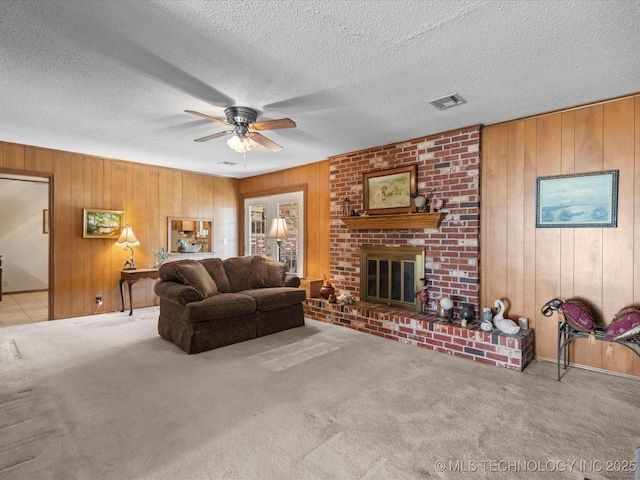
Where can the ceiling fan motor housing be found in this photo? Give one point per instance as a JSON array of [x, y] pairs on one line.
[[241, 115]]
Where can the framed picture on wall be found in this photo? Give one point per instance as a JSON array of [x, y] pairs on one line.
[[102, 223], [390, 190], [577, 201]]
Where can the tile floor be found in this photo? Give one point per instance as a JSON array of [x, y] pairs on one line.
[[20, 308]]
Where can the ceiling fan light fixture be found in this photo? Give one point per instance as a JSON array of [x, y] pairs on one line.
[[448, 101], [241, 145]]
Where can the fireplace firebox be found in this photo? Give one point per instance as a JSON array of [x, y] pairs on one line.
[[391, 275]]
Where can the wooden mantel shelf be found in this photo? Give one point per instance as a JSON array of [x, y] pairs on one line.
[[394, 221]]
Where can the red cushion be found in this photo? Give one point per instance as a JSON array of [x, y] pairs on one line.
[[578, 314], [625, 324]]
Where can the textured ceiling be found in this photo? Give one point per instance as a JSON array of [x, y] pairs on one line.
[[112, 78]]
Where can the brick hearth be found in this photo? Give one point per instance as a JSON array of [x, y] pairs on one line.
[[425, 330]]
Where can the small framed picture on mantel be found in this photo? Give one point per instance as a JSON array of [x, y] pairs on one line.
[[390, 191]]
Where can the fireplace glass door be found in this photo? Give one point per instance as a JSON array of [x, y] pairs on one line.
[[392, 275], [392, 281]]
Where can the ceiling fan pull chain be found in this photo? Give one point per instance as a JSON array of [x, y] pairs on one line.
[[245, 159]]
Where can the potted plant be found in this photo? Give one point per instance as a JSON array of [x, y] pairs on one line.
[[160, 256]]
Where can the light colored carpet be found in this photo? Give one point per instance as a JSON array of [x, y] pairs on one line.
[[104, 397]]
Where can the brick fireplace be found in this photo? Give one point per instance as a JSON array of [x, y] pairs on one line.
[[448, 168]]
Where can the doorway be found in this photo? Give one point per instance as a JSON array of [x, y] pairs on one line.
[[284, 245], [24, 214]]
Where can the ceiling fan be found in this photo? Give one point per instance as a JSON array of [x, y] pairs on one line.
[[244, 128]]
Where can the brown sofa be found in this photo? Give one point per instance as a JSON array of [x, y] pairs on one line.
[[209, 303]]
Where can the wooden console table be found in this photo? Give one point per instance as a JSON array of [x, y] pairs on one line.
[[131, 277]]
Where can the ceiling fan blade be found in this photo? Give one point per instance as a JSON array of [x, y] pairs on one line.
[[274, 124], [265, 142], [215, 135], [212, 119]]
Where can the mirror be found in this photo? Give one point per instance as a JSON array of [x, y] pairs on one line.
[[190, 235]]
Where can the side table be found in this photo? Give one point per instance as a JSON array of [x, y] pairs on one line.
[[131, 277]]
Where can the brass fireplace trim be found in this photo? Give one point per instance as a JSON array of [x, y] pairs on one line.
[[379, 252]]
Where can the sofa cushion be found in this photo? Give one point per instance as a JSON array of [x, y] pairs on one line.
[[196, 276], [167, 272], [219, 306], [266, 273], [216, 269], [238, 270], [276, 297]]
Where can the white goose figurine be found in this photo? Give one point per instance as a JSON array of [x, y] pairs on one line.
[[507, 326]]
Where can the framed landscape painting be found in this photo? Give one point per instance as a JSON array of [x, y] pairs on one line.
[[102, 223], [577, 201], [390, 191]]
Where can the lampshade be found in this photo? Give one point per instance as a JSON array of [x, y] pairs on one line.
[[127, 238], [279, 229], [241, 145]]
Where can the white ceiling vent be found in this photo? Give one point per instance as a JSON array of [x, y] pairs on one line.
[[448, 101]]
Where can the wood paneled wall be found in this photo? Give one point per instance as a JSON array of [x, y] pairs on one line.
[[529, 266], [316, 177], [148, 194]]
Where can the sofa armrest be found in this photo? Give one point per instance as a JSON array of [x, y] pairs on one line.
[[177, 292], [292, 281]]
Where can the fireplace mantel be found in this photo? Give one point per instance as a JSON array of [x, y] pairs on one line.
[[394, 221]]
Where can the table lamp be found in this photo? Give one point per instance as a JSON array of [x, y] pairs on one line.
[[127, 240]]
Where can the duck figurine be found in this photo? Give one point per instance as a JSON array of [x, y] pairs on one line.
[[184, 247], [507, 326]]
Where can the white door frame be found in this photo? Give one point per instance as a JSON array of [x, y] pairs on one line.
[[271, 202]]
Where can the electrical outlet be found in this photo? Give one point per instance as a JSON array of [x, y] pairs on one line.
[[5, 283], [99, 299]]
